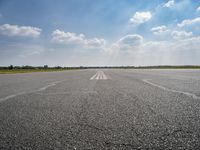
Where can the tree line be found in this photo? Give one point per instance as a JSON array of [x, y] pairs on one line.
[[11, 67]]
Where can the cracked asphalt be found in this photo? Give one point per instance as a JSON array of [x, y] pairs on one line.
[[68, 110]]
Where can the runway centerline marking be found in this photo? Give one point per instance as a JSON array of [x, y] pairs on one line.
[[171, 90], [99, 75]]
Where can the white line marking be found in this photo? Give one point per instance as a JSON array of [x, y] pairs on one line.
[[44, 88], [171, 90], [94, 76], [38, 90], [49, 85], [8, 97], [11, 96], [104, 76], [99, 75]]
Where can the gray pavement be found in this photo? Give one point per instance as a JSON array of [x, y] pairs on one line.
[[100, 109]]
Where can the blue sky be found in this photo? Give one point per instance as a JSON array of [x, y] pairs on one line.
[[89, 33]]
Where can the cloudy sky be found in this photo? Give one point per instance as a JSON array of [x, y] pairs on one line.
[[99, 32]]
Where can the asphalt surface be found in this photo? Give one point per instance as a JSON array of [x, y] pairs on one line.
[[100, 109]]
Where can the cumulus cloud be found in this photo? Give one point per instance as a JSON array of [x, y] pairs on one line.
[[188, 22], [141, 49], [174, 52], [159, 29], [95, 42], [131, 40], [128, 43], [23, 31], [198, 9], [169, 4], [181, 34], [141, 17], [59, 36], [62, 37]]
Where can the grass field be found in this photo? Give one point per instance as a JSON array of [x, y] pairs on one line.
[[14, 71]]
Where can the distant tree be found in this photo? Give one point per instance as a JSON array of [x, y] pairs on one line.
[[27, 67], [58, 67], [10, 67], [17, 67], [45, 66]]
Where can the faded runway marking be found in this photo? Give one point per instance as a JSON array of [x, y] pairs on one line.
[[24, 92], [99, 75], [49, 85], [171, 90], [8, 97], [70, 93], [11, 96]]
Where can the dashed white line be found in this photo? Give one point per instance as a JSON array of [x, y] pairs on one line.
[[171, 90]]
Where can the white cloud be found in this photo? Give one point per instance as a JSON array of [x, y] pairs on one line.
[[169, 4], [131, 40], [128, 43], [188, 22], [141, 49], [181, 34], [62, 37], [95, 42], [151, 52], [59, 36], [160, 29], [141, 17], [198, 9], [23, 31]]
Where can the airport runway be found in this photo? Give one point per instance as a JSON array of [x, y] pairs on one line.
[[100, 109]]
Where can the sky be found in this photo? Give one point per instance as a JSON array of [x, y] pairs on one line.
[[99, 32]]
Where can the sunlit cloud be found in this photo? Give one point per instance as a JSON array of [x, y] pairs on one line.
[[198, 9], [62, 37], [181, 34], [188, 22], [169, 4], [160, 29], [141, 17], [23, 31]]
